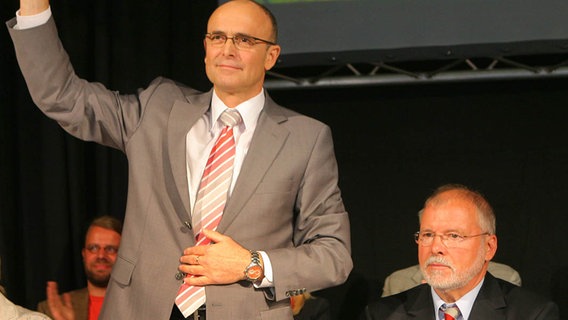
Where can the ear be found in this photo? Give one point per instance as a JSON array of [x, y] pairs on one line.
[[272, 54], [491, 247]]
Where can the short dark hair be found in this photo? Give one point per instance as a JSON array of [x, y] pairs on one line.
[[107, 222]]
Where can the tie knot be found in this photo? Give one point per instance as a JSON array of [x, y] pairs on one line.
[[450, 310], [230, 117]]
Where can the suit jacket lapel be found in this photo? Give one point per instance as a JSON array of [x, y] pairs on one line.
[[489, 300], [182, 117], [80, 301], [267, 141], [420, 304]]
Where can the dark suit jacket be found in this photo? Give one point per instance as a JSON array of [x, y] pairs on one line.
[[315, 308], [80, 301], [497, 300], [286, 200]]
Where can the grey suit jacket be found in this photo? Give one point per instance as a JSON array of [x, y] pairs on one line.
[[286, 200], [79, 300], [497, 300]]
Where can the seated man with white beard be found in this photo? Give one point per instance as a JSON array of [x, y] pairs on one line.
[[456, 241]]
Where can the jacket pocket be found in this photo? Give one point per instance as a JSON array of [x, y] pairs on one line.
[[122, 271]]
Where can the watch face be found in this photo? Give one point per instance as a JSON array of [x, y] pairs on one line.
[[254, 272]]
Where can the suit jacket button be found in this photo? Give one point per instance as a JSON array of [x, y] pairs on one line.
[[186, 227], [180, 275]]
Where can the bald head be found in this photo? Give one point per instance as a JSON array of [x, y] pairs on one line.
[[233, 4]]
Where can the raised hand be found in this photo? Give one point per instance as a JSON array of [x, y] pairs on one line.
[[59, 305]]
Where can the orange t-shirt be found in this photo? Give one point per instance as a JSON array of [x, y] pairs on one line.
[[95, 305]]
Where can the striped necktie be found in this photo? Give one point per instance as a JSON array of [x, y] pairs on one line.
[[210, 201], [451, 312]]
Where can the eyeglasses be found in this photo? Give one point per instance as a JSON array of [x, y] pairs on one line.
[[241, 41], [94, 248], [450, 239]]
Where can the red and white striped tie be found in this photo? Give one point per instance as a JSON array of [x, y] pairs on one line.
[[210, 201], [450, 312]]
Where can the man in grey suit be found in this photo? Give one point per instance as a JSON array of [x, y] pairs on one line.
[[284, 215], [456, 241]]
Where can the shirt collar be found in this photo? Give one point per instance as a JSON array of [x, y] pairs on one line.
[[465, 303], [249, 110]]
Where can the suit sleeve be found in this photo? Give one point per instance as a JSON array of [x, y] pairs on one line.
[[89, 111], [321, 256]]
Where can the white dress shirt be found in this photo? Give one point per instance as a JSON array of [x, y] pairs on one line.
[[27, 22], [201, 139], [202, 136]]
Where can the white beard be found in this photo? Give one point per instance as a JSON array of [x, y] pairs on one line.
[[438, 279]]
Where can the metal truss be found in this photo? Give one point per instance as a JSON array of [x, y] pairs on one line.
[[419, 72]]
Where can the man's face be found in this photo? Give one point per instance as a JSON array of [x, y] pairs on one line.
[[458, 267], [99, 254], [233, 71]]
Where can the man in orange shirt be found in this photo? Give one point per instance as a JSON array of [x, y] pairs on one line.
[[99, 255]]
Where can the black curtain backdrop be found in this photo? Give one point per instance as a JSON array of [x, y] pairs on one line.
[[394, 145]]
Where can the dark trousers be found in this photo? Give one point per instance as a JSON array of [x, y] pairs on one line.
[[176, 314]]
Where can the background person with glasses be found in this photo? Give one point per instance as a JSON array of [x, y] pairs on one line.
[[284, 229], [102, 240], [456, 241]]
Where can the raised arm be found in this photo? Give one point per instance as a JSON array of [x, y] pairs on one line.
[[87, 110], [31, 7]]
